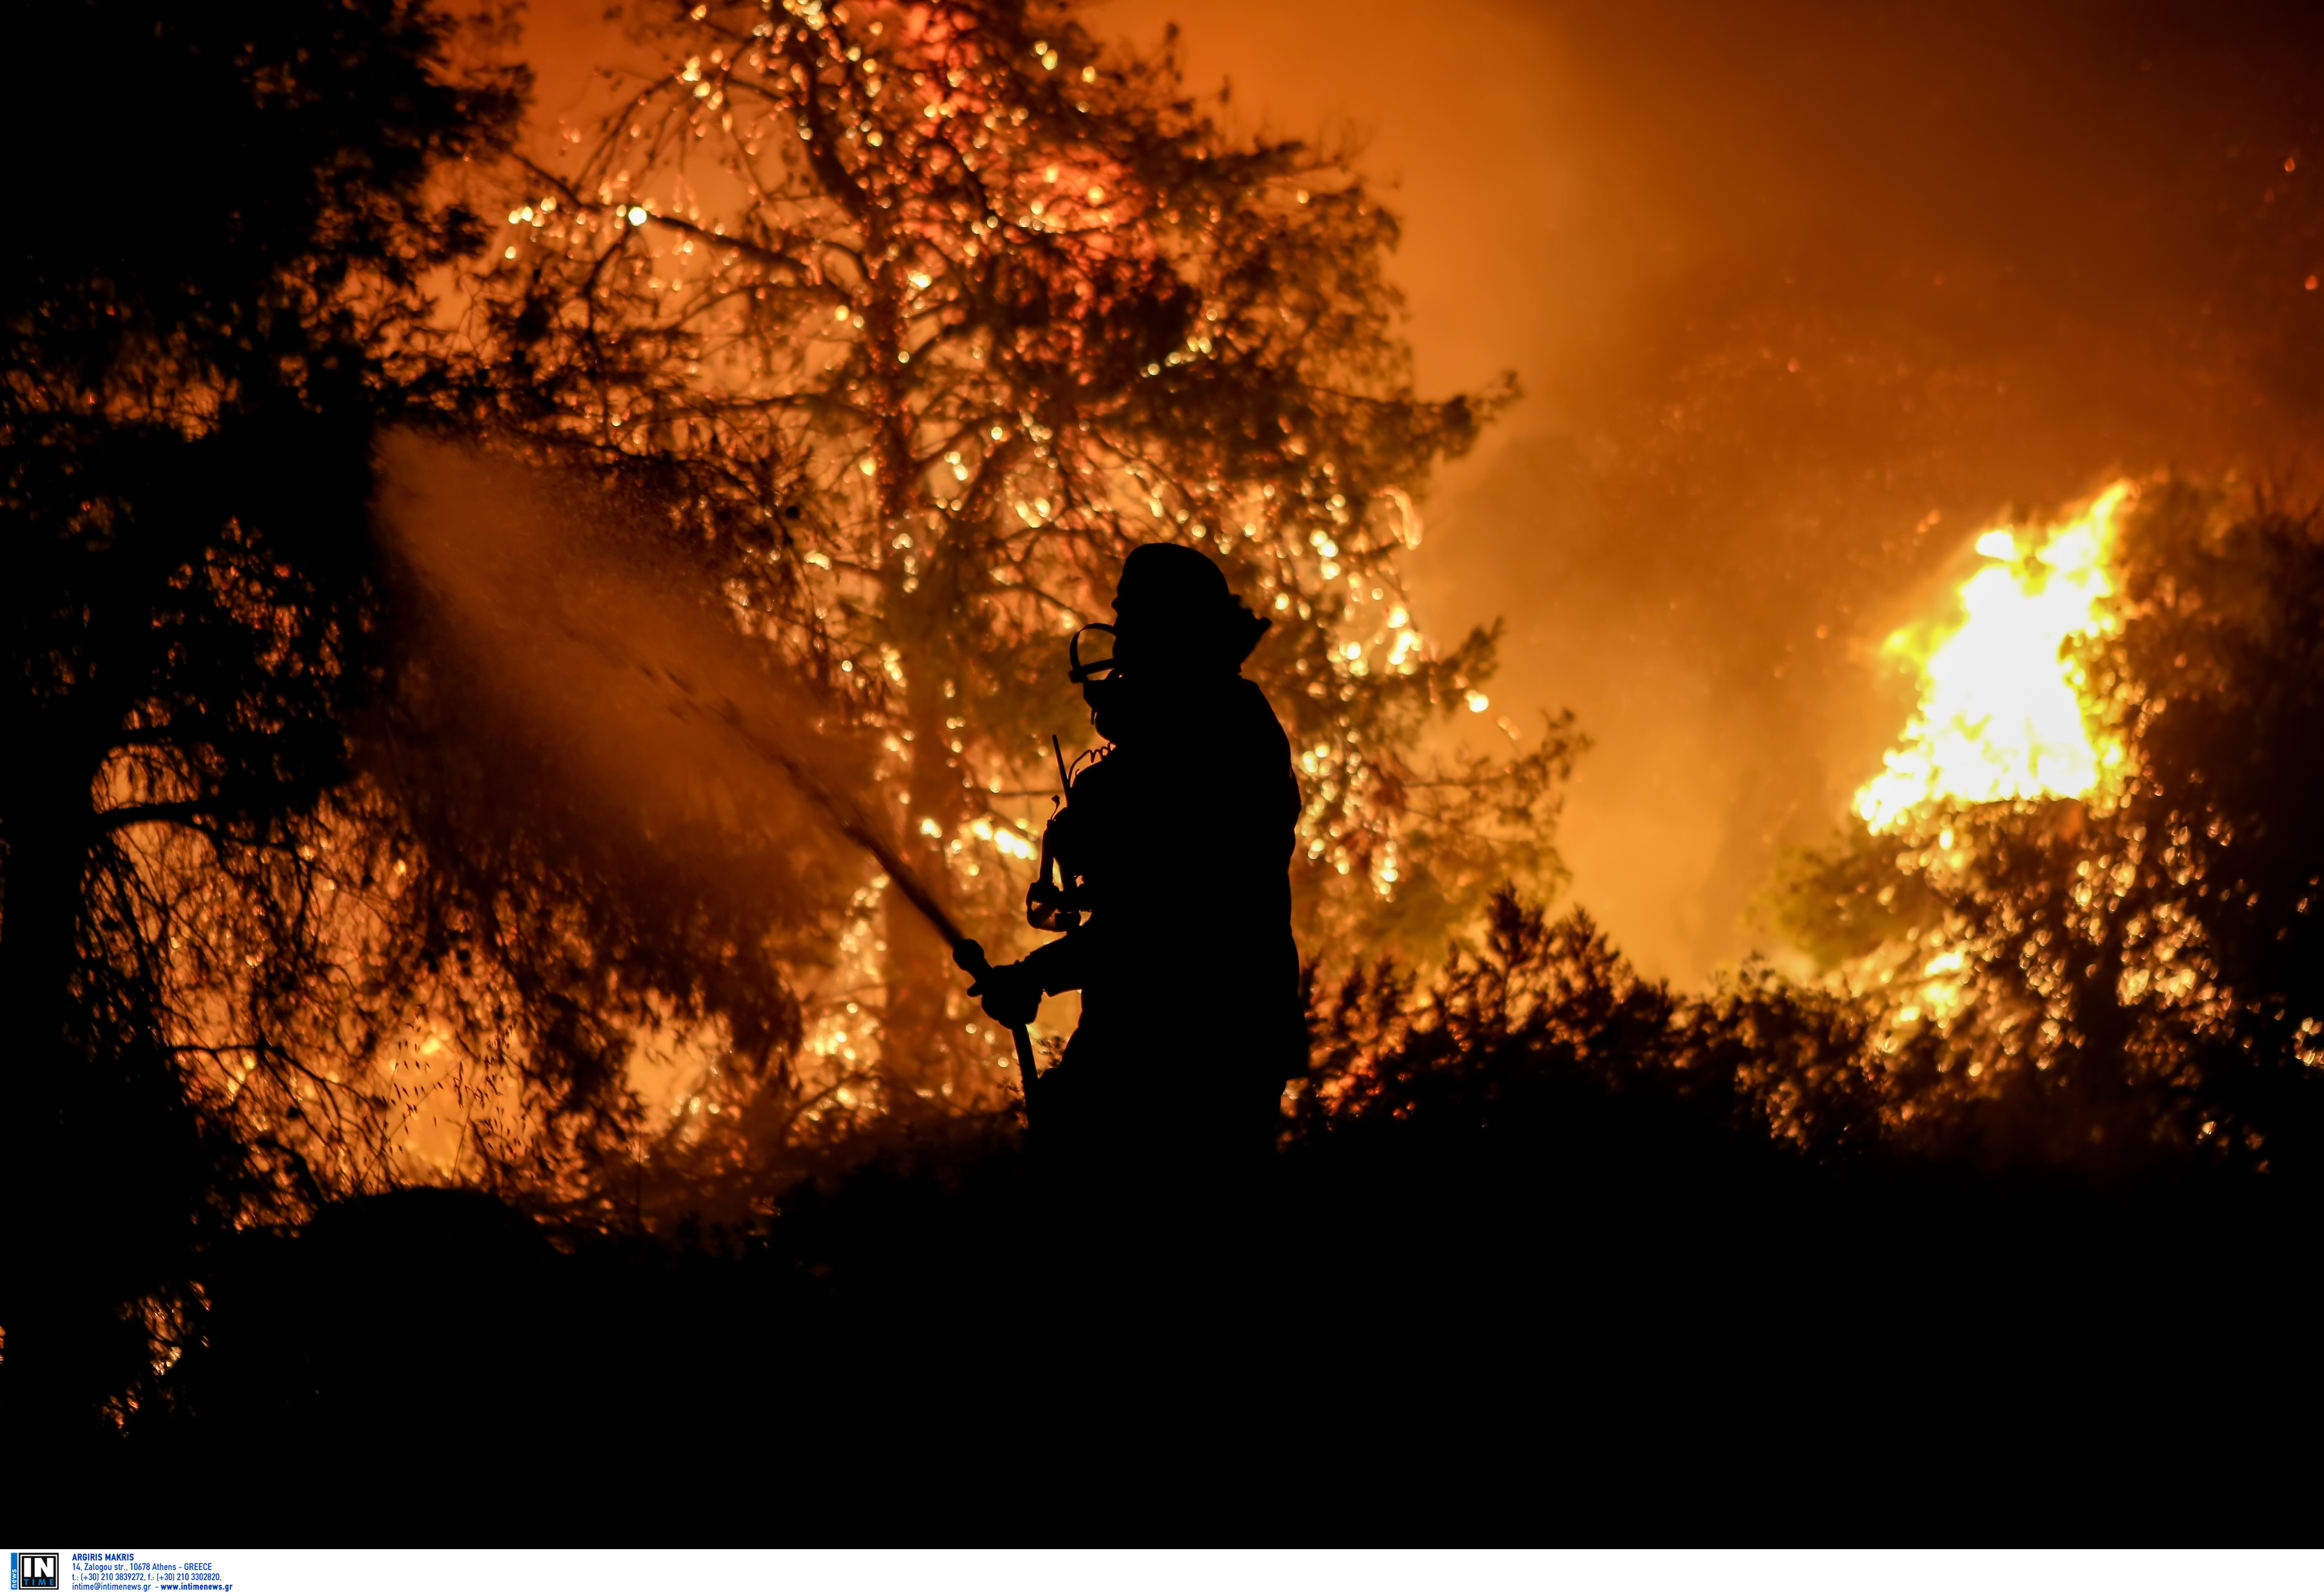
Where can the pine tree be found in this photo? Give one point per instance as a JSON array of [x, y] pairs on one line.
[[944, 310]]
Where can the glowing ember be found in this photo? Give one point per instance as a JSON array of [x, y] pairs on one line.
[[2000, 714]]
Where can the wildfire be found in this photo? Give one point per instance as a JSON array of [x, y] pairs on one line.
[[2000, 715]]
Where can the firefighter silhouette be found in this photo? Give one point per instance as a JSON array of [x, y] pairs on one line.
[[1169, 870]]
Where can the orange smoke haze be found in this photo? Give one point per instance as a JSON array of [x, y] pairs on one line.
[[582, 644], [1802, 296]]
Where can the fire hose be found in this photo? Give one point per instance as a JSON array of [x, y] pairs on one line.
[[966, 952]]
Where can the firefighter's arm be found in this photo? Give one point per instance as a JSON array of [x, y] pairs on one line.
[[1012, 992], [1059, 965]]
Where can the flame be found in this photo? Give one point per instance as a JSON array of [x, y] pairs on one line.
[[2001, 713]]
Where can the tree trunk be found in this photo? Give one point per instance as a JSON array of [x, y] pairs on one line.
[[917, 1045], [924, 1065], [928, 1063]]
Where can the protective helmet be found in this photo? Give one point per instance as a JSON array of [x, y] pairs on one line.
[[1178, 597]]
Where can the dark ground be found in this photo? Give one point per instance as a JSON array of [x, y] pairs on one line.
[[1621, 1325]]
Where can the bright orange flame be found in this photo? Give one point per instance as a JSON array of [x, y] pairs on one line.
[[2000, 715]]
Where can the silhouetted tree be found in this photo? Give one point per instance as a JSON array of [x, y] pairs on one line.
[[196, 359], [987, 307]]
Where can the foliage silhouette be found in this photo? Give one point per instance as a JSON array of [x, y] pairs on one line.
[[1537, 1197], [194, 369]]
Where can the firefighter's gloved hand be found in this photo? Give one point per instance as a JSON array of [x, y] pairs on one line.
[[1011, 993]]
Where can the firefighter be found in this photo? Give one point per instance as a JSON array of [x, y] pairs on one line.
[[1177, 844]]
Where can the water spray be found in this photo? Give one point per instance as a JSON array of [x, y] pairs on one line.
[[857, 827], [577, 611]]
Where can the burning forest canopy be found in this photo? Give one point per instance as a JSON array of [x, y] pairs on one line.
[[425, 544], [1802, 296]]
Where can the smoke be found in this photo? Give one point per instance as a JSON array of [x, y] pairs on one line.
[[585, 728], [1802, 294]]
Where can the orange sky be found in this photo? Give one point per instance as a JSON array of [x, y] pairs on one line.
[[1800, 294]]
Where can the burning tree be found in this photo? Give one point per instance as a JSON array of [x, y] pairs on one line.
[[939, 309], [2097, 939], [2075, 926]]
